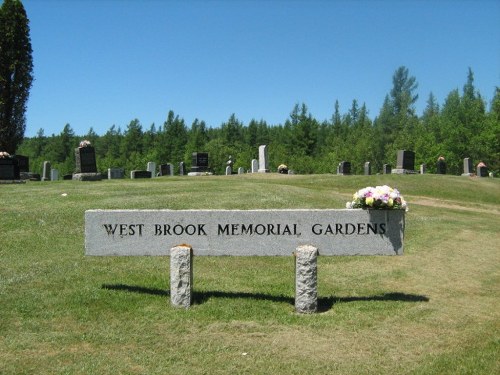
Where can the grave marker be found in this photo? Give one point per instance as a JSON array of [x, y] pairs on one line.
[[441, 166], [151, 167], [263, 160], [255, 166], [468, 168], [368, 169], [46, 171], [9, 169], [199, 164], [405, 162]]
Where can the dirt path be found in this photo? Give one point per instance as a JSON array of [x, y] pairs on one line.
[[426, 201]]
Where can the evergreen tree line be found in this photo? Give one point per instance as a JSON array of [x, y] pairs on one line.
[[463, 126]]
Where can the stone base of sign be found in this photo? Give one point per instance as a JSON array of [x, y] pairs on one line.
[[200, 174], [402, 171], [87, 177], [306, 279], [467, 174], [181, 276], [263, 171]]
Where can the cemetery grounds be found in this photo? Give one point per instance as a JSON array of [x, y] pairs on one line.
[[434, 310]]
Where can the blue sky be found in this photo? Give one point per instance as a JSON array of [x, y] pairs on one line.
[[99, 63]]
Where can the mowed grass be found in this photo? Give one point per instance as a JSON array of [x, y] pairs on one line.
[[434, 310]]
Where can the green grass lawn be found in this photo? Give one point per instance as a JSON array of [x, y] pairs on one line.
[[434, 310]]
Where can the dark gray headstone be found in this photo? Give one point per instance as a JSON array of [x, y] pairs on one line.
[[140, 174], [23, 162], [406, 160], [345, 168], [441, 166], [199, 162], [85, 160], [166, 169], [9, 169], [386, 169], [181, 168], [482, 171]]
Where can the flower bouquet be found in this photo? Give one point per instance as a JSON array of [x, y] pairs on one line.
[[379, 198], [84, 143]]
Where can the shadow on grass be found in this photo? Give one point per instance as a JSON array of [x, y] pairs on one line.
[[324, 303]]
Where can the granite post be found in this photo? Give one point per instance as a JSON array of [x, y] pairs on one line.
[[181, 276], [306, 279]]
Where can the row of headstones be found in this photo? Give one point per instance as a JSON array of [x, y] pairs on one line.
[[406, 164]]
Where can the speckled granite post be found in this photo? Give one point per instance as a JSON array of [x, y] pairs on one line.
[[181, 275], [306, 279]]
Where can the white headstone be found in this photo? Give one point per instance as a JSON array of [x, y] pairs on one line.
[[263, 162], [255, 165], [151, 168]]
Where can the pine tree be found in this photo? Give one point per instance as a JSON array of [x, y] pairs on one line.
[[16, 73]]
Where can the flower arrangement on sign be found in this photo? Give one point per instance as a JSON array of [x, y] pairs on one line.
[[4, 155], [84, 143], [378, 197]]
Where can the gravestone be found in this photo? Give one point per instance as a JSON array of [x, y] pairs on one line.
[[368, 169], [241, 170], [199, 162], [405, 162], [423, 168], [229, 171], [166, 169], [386, 169], [181, 168], [468, 168], [140, 174], [255, 166], [263, 160], [441, 166], [9, 169], [54, 175], [85, 164], [46, 171], [115, 173], [23, 162], [482, 170], [151, 167], [344, 168], [85, 160]]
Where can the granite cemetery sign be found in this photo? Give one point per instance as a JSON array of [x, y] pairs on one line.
[[244, 232]]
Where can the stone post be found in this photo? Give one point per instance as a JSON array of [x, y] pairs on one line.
[[181, 276], [306, 279]]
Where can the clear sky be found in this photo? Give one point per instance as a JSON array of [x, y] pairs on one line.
[[99, 63]]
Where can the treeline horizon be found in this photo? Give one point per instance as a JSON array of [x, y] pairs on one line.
[[463, 126]]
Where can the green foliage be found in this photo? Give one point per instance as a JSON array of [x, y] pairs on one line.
[[460, 127], [16, 73]]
